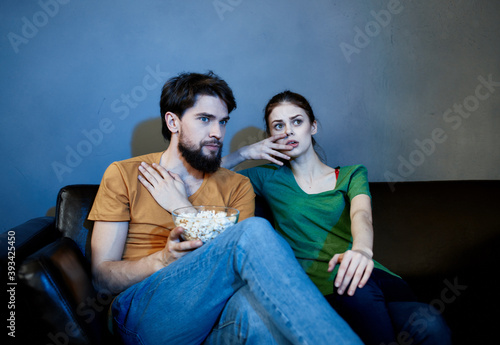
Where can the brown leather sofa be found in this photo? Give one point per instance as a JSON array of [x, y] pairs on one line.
[[443, 237]]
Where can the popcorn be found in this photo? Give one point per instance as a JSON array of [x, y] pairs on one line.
[[204, 224]]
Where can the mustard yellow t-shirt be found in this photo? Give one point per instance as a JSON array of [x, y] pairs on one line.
[[122, 198]]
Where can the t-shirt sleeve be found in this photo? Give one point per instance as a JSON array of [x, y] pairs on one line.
[[243, 199], [112, 201], [358, 182]]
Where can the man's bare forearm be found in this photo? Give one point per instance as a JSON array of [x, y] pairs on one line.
[[117, 276]]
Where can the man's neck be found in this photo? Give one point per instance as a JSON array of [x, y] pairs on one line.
[[173, 161]]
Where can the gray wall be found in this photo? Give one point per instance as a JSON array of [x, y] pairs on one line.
[[411, 89]]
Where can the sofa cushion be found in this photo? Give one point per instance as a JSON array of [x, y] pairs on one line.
[[431, 228]]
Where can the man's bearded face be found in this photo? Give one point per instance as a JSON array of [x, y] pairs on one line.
[[195, 157]]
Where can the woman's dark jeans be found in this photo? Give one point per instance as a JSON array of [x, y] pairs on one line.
[[385, 311]]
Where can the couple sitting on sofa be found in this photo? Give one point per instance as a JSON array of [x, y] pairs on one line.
[[253, 283]]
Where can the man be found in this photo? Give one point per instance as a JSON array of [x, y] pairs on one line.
[[245, 286]]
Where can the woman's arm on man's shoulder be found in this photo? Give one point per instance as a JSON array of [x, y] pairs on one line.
[[266, 149]]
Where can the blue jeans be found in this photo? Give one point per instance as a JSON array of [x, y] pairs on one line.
[[385, 312], [244, 321], [244, 287]]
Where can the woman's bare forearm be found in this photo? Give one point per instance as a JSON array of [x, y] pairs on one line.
[[362, 225]]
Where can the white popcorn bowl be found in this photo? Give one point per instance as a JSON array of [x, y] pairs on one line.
[[204, 222]]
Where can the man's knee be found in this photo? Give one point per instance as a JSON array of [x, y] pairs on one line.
[[256, 227], [257, 223], [259, 229]]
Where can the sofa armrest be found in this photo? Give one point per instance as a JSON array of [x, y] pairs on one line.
[[26, 239], [56, 288]]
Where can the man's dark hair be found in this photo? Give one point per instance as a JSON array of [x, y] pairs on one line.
[[180, 93]]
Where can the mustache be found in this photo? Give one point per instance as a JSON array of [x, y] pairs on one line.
[[212, 142]]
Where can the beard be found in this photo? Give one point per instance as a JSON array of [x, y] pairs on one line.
[[196, 158]]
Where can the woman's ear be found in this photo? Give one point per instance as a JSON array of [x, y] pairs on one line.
[[172, 122], [314, 127]]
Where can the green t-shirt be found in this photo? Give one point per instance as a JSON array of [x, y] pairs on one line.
[[317, 226]]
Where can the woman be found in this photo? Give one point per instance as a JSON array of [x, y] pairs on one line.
[[325, 215]]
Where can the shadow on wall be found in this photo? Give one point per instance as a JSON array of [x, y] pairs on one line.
[[147, 138], [51, 212], [247, 136]]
